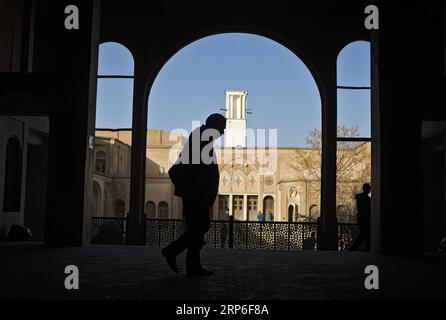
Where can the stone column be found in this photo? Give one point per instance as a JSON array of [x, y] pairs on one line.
[[328, 236], [375, 219], [136, 217], [71, 107]]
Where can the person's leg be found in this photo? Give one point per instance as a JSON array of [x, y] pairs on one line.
[[177, 246], [193, 261], [198, 229]]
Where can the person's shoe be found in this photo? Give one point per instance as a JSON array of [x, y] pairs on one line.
[[199, 273], [171, 260]]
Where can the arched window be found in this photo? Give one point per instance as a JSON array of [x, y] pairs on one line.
[[291, 213], [114, 106], [354, 89], [101, 162], [114, 102], [289, 81], [268, 208], [163, 210], [314, 212], [151, 209], [119, 208], [291, 88], [353, 157], [13, 176]]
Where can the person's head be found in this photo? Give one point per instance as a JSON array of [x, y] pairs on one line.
[[216, 121], [366, 188]]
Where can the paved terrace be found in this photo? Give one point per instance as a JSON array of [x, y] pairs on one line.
[[120, 272]]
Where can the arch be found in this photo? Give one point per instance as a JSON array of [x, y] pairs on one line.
[[117, 52], [355, 55], [97, 199], [151, 209], [279, 45], [13, 175], [119, 208], [291, 213], [100, 163], [314, 212], [163, 210], [261, 32], [293, 53], [353, 72], [354, 123], [268, 206], [115, 75]]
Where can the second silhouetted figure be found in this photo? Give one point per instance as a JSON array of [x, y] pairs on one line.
[[363, 215], [196, 177]]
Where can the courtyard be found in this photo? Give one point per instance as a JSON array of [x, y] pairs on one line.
[[31, 271]]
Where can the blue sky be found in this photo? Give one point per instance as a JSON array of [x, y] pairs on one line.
[[191, 85]]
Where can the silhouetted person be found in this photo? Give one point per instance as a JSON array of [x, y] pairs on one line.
[[196, 177], [271, 216], [261, 216], [363, 216]]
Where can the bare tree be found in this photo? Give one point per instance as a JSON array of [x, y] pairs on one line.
[[352, 166]]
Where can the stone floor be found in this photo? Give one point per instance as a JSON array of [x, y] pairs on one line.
[[120, 272]]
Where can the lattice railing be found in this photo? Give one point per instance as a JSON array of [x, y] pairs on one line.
[[242, 235], [107, 230], [239, 234], [347, 234]]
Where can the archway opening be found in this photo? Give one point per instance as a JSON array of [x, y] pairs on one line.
[[150, 209], [163, 210], [262, 88], [291, 213], [268, 205], [353, 163], [314, 212], [113, 135]]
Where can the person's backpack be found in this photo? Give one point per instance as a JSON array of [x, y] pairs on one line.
[[177, 174]]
